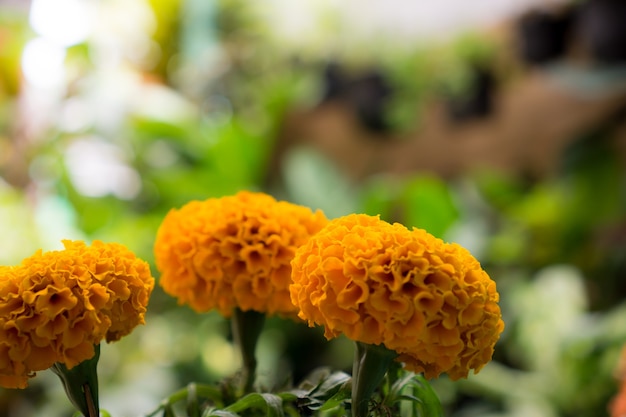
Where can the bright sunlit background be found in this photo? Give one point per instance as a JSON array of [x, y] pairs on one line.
[[496, 124]]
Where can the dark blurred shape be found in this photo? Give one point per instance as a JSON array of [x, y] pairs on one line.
[[602, 26], [368, 94], [594, 165], [334, 81], [544, 36], [477, 100]]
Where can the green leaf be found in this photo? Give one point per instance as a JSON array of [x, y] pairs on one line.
[[210, 412], [312, 180], [417, 391], [336, 400], [379, 196], [428, 204], [329, 392], [499, 189], [210, 392], [423, 201], [272, 404], [429, 400], [292, 395], [329, 386], [395, 393]]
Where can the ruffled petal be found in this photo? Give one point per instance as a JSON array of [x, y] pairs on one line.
[[381, 283]]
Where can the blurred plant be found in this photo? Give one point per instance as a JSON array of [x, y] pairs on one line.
[[550, 221], [552, 352], [421, 200]]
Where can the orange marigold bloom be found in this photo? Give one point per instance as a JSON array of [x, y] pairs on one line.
[[234, 251], [55, 306], [379, 283]]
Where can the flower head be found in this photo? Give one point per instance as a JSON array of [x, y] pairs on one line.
[[55, 306], [383, 284], [234, 251]]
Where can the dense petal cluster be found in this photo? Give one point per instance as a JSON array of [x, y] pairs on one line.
[[380, 283], [233, 251], [55, 306]]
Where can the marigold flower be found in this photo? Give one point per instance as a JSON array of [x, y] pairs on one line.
[[383, 284], [55, 306], [234, 251]]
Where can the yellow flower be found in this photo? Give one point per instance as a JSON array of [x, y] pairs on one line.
[[234, 251], [383, 284], [55, 306]]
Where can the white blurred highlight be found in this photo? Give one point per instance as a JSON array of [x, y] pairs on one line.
[[43, 63], [98, 168], [64, 22]]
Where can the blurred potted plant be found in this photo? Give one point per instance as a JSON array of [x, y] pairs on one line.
[[468, 79]]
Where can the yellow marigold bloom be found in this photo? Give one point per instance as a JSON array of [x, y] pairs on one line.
[[55, 306], [379, 283], [233, 251]]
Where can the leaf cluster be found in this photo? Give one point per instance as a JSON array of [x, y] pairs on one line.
[[324, 393]]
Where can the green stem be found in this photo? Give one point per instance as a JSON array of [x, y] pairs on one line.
[[81, 384], [247, 327], [369, 368]]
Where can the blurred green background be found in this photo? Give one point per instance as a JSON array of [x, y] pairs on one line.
[[501, 128]]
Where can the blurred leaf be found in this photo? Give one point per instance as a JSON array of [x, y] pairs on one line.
[[313, 181], [428, 204], [379, 196], [499, 189], [14, 33], [238, 155], [596, 176], [218, 413], [422, 201], [166, 34], [94, 213]]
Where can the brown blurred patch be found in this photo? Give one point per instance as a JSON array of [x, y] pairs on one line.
[[534, 121]]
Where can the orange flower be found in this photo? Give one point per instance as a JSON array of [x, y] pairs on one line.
[[233, 251], [383, 284], [617, 405], [57, 305]]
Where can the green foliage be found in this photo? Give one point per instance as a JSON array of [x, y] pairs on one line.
[[322, 393], [413, 396], [421, 201], [311, 180]]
